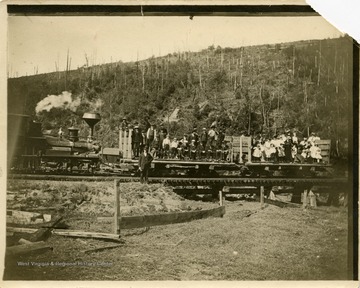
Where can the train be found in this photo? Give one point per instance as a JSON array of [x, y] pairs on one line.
[[32, 151]]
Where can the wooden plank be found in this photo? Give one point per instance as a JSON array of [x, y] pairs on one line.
[[221, 198], [106, 219], [21, 229], [262, 197], [82, 234], [129, 222], [323, 142], [24, 241], [111, 151], [25, 217], [36, 247]]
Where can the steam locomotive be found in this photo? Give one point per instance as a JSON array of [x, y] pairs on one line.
[[31, 151]]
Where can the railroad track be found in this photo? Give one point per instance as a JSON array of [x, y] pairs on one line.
[[227, 181]]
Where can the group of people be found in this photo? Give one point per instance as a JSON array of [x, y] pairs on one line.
[[209, 144], [286, 147]]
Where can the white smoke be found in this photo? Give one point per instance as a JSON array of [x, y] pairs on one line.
[[64, 101]]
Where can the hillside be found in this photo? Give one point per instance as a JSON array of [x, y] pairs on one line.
[[305, 85]]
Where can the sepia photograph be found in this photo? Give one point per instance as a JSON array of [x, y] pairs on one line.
[[179, 143]]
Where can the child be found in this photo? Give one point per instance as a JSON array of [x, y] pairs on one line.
[[257, 153]]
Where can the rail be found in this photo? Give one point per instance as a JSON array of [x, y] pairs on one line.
[[226, 181]]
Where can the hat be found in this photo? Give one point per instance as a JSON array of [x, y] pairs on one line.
[[124, 118], [136, 127]]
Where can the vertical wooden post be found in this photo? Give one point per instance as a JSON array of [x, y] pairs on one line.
[[129, 148], [305, 198], [221, 202], [312, 197], [241, 149], [232, 149], [249, 149], [262, 197], [120, 139], [117, 208]]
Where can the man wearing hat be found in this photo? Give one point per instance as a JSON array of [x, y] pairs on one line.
[[162, 137], [151, 135], [212, 137], [124, 127], [194, 136], [203, 138], [124, 124], [136, 139], [144, 165]]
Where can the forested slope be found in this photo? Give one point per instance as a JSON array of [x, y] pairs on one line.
[[305, 85]]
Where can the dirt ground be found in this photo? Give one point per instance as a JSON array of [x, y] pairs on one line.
[[248, 243]]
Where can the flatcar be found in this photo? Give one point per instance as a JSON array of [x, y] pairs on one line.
[[237, 163]]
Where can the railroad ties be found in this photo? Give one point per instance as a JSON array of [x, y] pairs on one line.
[[224, 181]]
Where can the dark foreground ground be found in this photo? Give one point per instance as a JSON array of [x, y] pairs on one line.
[[248, 243]]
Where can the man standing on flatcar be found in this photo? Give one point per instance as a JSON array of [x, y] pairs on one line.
[[143, 140], [203, 139], [211, 136], [124, 124], [136, 139], [287, 147], [162, 137], [145, 160], [150, 135], [220, 138], [194, 136]]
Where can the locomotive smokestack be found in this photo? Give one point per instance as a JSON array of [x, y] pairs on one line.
[[91, 119]]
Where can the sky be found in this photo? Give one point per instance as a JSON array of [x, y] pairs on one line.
[[37, 43]]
